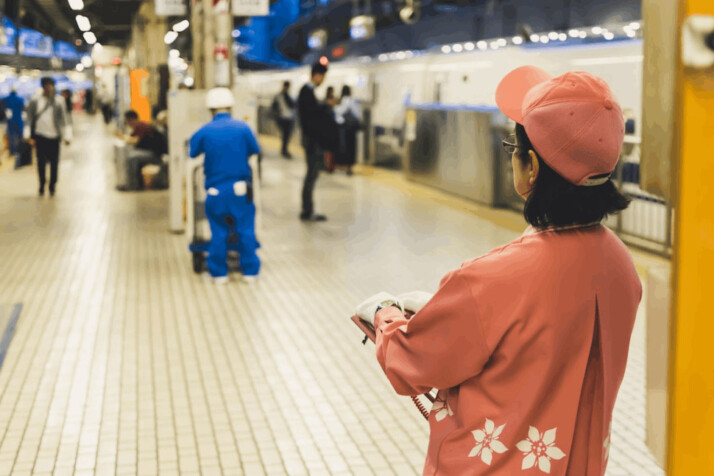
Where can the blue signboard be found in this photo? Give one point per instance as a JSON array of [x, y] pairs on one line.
[[66, 51], [7, 37], [34, 43]]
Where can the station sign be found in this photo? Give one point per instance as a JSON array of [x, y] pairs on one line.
[[165, 8], [34, 43], [66, 51], [7, 37], [251, 8]]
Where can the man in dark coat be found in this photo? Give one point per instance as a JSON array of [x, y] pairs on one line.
[[318, 133]]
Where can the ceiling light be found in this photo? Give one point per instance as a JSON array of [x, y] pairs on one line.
[[80, 67], [188, 81], [562, 37], [446, 49], [544, 39], [573, 33], [98, 47], [458, 48], [502, 42], [83, 23], [235, 34], [401, 55], [170, 37], [89, 37], [469, 46], [596, 30], [535, 37], [631, 33], [76, 4], [517, 40], [553, 35], [482, 45], [635, 24], [608, 36], [493, 45], [383, 57], [583, 34], [174, 53], [87, 61], [181, 26]]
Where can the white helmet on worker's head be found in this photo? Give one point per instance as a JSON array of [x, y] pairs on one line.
[[219, 98]]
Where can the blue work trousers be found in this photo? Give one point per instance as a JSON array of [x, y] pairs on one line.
[[218, 209], [14, 137]]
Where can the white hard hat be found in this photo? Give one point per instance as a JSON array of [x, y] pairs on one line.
[[219, 98]]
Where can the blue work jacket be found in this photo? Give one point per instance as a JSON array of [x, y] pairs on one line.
[[227, 144], [16, 105]]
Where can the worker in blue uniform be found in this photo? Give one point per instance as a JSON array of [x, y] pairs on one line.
[[15, 123], [227, 144]]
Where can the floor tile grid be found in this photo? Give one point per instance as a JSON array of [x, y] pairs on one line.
[[11, 386], [214, 417], [38, 360], [68, 399], [356, 427], [310, 331]]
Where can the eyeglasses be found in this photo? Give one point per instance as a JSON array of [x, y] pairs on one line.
[[508, 146]]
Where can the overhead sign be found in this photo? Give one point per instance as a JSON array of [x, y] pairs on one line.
[[34, 43], [251, 8], [166, 8], [7, 37], [65, 51]]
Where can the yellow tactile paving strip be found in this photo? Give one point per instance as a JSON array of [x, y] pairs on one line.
[[125, 362]]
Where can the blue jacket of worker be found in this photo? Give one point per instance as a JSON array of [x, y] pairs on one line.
[[227, 143], [16, 105]]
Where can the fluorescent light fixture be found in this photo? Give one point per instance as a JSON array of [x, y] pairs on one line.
[[583, 34], [573, 33], [188, 81], [608, 36], [401, 55], [76, 4], [89, 37], [383, 57], [80, 67], [482, 45], [635, 25], [608, 60], [446, 49], [502, 42], [596, 30], [98, 47], [493, 45], [181, 26], [457, 48], [362, 27], [517, 40], [562, 37], [631, 33], [87, 61], [170, 37], [83, 23], [553, 35], [174, 53], [469, 46], [544, 39], [535, 37]]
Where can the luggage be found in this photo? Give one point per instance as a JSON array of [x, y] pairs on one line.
[[24, 156]]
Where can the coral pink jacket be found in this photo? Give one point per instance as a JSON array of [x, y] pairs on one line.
[[527, 346]]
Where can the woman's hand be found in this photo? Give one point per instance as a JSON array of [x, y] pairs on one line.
[[415, 300], [368, 308]]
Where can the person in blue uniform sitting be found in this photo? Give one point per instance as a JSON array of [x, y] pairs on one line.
[[227, 144]]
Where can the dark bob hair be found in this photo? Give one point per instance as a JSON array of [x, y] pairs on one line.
[[130, 115], [47, 80], [318, 68], [556, 202]]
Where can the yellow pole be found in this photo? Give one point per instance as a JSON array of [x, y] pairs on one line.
[[691, 385]]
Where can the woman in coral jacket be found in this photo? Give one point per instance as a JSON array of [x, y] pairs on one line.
[[528, 344]]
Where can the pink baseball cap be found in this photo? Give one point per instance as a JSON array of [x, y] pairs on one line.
[[573, 121]]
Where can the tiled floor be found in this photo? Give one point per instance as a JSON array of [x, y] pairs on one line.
[[125, 362]]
